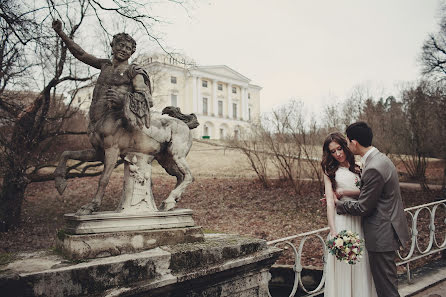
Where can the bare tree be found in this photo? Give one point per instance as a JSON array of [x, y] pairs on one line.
[[332, 118], [425, 127], [308, 138], [352, 107], [284, 139], [433, 55], [286, 154], [32, 58], [251, 143]]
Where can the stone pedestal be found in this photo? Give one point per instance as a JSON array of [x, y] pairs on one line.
[[109, 221], [107, 234], [222, 265], [90, 246]]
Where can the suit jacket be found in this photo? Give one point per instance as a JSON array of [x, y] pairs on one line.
[[380, 205]]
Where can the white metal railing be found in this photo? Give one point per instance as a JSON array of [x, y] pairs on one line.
[[415, 252]]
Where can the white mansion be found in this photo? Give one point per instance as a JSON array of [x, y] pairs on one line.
[[224, 100]]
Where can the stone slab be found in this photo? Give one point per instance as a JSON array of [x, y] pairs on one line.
[[109, 221], [89, 246], [430, 275], [222, 265]]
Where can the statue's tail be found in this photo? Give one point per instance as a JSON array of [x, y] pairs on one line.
[[175, 112]]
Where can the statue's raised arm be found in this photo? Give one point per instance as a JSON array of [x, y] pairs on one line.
[[76, 50]]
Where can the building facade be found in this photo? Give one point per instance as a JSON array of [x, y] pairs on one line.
[[224, 100]]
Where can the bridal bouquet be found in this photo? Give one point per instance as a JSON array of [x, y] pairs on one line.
[[346, 246]]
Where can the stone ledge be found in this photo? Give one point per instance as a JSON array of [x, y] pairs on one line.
[[423, 278], [222, 264], [217, 248]]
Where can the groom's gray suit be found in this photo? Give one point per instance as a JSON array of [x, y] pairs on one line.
[[384, 222]]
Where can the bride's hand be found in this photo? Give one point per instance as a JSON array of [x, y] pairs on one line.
[[335, 198], [339, 193]]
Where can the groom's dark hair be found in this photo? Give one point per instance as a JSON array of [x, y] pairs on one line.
[[361, 132]]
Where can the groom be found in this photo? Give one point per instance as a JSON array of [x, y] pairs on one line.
[[380, 205]]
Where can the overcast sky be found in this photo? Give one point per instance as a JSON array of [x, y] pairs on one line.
[[314, 51]]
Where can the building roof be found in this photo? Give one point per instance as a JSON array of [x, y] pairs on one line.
[[224, 71]]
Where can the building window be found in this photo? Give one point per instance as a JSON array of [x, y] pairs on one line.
[[249, 114], [220, 108], [204, 83], [206, 131], [236, 133], [222, 133], [234, 110], [234, 90], [220, 87], [249, 95], [173, 79], [205, 105], [173, 100]]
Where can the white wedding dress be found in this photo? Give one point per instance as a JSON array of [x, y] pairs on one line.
[[342, 279]]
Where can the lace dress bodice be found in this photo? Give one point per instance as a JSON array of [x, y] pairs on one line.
[[348, 180]]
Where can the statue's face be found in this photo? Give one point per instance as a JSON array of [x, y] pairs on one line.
[[122, 50]]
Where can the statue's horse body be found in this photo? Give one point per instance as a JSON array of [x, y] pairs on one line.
[[116, 130]]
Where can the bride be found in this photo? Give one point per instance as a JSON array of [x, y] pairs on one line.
[[342, 179]]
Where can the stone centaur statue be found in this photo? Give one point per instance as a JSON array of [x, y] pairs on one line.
[[122, 126]]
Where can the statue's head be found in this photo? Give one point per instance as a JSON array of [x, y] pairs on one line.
[[122, 40]]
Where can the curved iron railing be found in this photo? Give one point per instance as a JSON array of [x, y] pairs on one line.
[[416, 252]]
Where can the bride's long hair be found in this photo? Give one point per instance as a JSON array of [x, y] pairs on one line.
[[330, 164]]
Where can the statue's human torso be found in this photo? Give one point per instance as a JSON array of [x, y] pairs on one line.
[[117, 79]]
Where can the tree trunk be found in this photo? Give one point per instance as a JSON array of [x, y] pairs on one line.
[[15, 181], [11, 199]]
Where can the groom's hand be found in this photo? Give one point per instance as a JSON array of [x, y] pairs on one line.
[[340, 207]]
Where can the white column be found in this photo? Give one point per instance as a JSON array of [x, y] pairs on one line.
[[194, 95], [244, 105], [230, 100], [199, 99], [182, 101], [247, 104], [214, 98]]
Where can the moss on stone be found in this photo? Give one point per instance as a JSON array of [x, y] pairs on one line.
[[210, 231], [214, 250], [6, 258], [61, 234]]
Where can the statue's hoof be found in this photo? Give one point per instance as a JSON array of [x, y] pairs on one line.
[[61, 184], [167, 205], [86, 209]]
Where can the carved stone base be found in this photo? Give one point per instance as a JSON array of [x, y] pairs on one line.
[[90, 246], [102, 222], [137, 195]]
